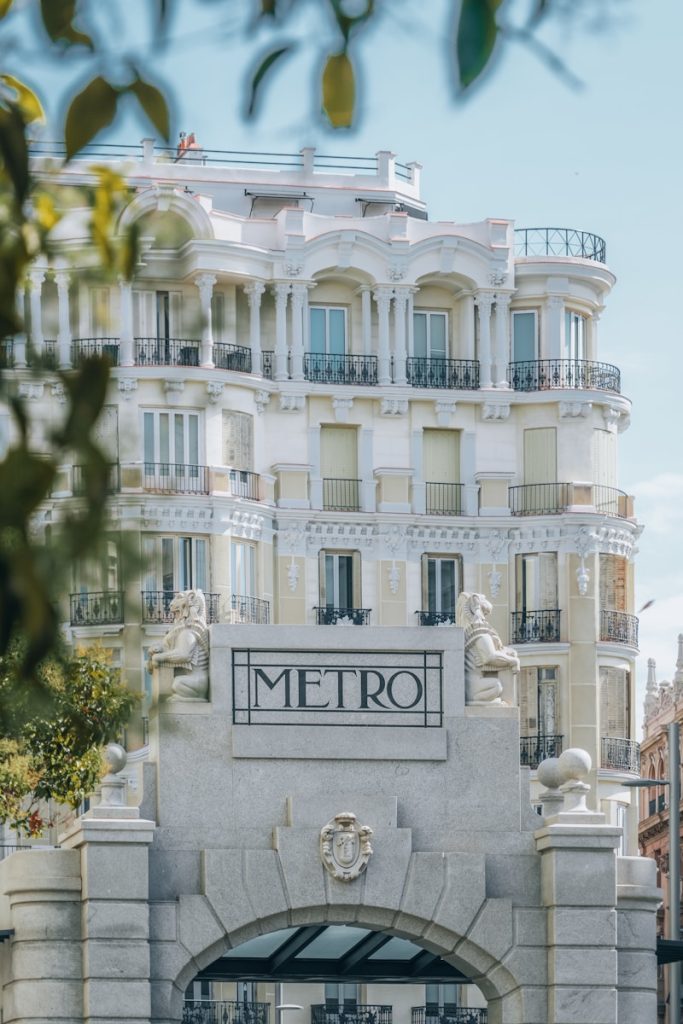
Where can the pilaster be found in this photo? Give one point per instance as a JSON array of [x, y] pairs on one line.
[[484, 302], [281, 292], [502, 338], [64, 336], [36, 279], [127, 356], [205, 284], [254, 291], [382, 296], [401, 296]]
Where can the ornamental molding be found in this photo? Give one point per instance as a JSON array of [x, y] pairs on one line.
[[214, 390], [174, 387], [293, 575], [345, 846], [455, 539], [396, 271], [497, 275], [444, 411], [342, 407], [394, 407], [495, 411], [293, 269], [394, 576], [168, 516], [59, 392], [246, 525], [292, 403], [261, 398], [127, 385], [32, 391], [611, 417], [345, 251], [347, 535], [574, 410]]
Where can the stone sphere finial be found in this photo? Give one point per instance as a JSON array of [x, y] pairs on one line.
[[574, 763], [549, 773], [116, 757]]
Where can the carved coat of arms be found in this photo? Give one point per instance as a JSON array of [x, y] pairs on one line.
[[345, 847]]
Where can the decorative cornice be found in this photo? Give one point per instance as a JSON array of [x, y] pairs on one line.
[[495, 410], [394, 407], [214, 389], [572, 410], [127, 385]]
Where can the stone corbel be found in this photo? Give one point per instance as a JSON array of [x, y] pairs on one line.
[[573, 410], [214, 390], [394, 407], [445, 411], [292, 403], [173, 387], [495, 411], [261, 398], [342, 407], [127, 385]]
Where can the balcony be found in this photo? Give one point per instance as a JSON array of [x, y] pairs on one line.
[[156, 606], [539, 499], [231, 357], [457, 374], [101, 608], [46, 357], [338, 369], [358, 1013], [435, 618], [549, 374], [562, 242], [78, 482], [167, 351], [536, 627], [443, 499], [534, 749], [249, 610], [329, 616], [448, 1015], [621, 755], [86, 348], [175, 478], [7, 354], [267, 364], [210, 1011], [619, 627], [341, 495], [244, 484], [609, 501]]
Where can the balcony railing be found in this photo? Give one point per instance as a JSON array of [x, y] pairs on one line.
[[621, 755], [610, 502], [536, 627], [329, 616], [231, 357], [341, 495], [244, 484], [156, 605], [7, 354], [103, 608], [45, 357], [534, 749], [338, 369], [539, 499], [78, 487], [546, 374], [175, 478], [360, 1013], [619, 627], [459, 374], [443, 499], [449, 1015], [167, 352], [267, 364], [210, 1011], [249, 610], [85, 348], [560, 242], [436, 618]]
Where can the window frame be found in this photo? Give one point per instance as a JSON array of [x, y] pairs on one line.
[[525, 312], [356, 583], [327, 308], [428, 313], [188, 442], [198, 577], [427, 557]]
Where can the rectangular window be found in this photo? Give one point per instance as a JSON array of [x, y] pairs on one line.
[[328, 330], [339, 452], [614, 702], [613, 583], [100, 313], [440, 999], [441, 455], [524, 335], [238, 440], [171, 440], [163, 325], [540, 455], [340, 579], [99, 574], [218, 316], [536, 576], [441, 583], [604, 458], [539, 708], [341, 996], [430, 335], [175, 563], [574, 335], [243, 569]]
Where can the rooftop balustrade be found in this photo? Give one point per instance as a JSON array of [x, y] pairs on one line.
[[562, 242], [85, 348], [457, 374], [167, 352], [175, 478], [231, 357], [340, 369], [539, 499]]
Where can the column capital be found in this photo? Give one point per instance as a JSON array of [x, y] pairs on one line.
[[484, 299], [555, 302], [205, 283], [35, 279], [402, 293], [253, 291], [281, 289], [503, 299], [124, 284], [383, 294], [62, 278], [300, 289]]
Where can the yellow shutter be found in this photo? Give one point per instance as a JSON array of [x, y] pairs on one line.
[[604, 458], [339, 453], [613, 570], [540, 455], [441, 454], [614, 709], [528, 702]]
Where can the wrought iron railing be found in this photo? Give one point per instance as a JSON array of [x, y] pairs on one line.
[[661, 802], [459, 374], [85, 348], [610, 501], [449, 1015], [360, 1013], [6, 353], [45, 356], [249, 610], [619, 627], [536, 627], [78, 487], [546, 374], [156, 605], [339, 369], [534, 749], [436, 618], [175, 478], [97, 609], [560, 242], [621, 755], [341, 495], [267, 364], [167, 352], [329, 616], [443, 499], [244, 484], [213, 1011], [231, 357], [539, 499]]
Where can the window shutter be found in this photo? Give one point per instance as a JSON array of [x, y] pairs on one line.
[[604, 458], [238, 440], [613, 583], [441, 452], [100, 313], [356, 580], [528, 702], [547, 580], [614, 709], [144, 314], [339, 453], [322, 587], [540, 455], [175, 314]]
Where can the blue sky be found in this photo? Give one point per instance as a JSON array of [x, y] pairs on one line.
[[604, 158]]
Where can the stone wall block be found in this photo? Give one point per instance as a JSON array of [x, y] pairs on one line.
[[423, 889], [636, 969], [636, 929], [118, 1000], [263, 882], [582, 1003], [198, 927], [107, 919], [301, 866], [222, 884], [163, 924], [173, 871], [168, 959], [571, 965], [517, 878], [582, 926], [529, 926], [492, 929], [27, 999], [115, 871], [527, 965], [386, 873], [535, 1004], [462, 897], [565, 879], [43, 960], [115, 959], [635, 1007]]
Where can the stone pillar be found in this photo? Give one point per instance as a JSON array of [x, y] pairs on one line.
[[419, 501], [502, 338], [254, 290], [466, 347], [365, 468], [281, 291], [637, 902], [484, 301], [592, 342], [126, 354], [554, 329], [382, 296], [36, 279], [401, 296], [366, 319], [205, 284], [64, 335], [20, 339], [299, 293]]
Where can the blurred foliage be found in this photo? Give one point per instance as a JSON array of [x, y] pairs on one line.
[[57, 756]]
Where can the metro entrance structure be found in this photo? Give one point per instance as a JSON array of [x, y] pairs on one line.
[[291, 835]]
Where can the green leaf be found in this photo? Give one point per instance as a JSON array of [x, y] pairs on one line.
[[476, 38], [58, 16], [4, 7], [26, 99], [91, 110], [264, 67], [153, 104], [14, 149]]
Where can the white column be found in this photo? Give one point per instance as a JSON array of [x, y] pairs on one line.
[[281, 291], [64, 334], [254, 290], [366, 319], [20, 338], [205, 285], [401, 296], [411, 322], [126, 354], [299, 293], [484, 301], [36, 279], [466, 347], [592, 346], [502, 338], [554, 327], [382, 296]]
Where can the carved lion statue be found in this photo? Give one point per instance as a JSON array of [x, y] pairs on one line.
[[186, 647], [485, 654]]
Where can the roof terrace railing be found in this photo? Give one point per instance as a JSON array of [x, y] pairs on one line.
[[560, 242]]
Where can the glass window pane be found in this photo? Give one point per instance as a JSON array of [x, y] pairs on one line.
[[337, 335], [317, 329], [179, 439], [148, 429], [167, 578], [437, 335], [333, 943], [200, 578], [420, 335], [397, 949], [447, 586], [164, 442], [431, 585], [149, 563], [193, 440], [524, 336], [345, 581], [263, 945], [330, 589], [185, 563]]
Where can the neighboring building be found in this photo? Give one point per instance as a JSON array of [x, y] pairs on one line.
[[327, 408], [663, 704]]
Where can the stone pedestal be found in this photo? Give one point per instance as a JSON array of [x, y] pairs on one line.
[[637, 900]]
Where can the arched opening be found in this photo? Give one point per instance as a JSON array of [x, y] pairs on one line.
[[332, 974]]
